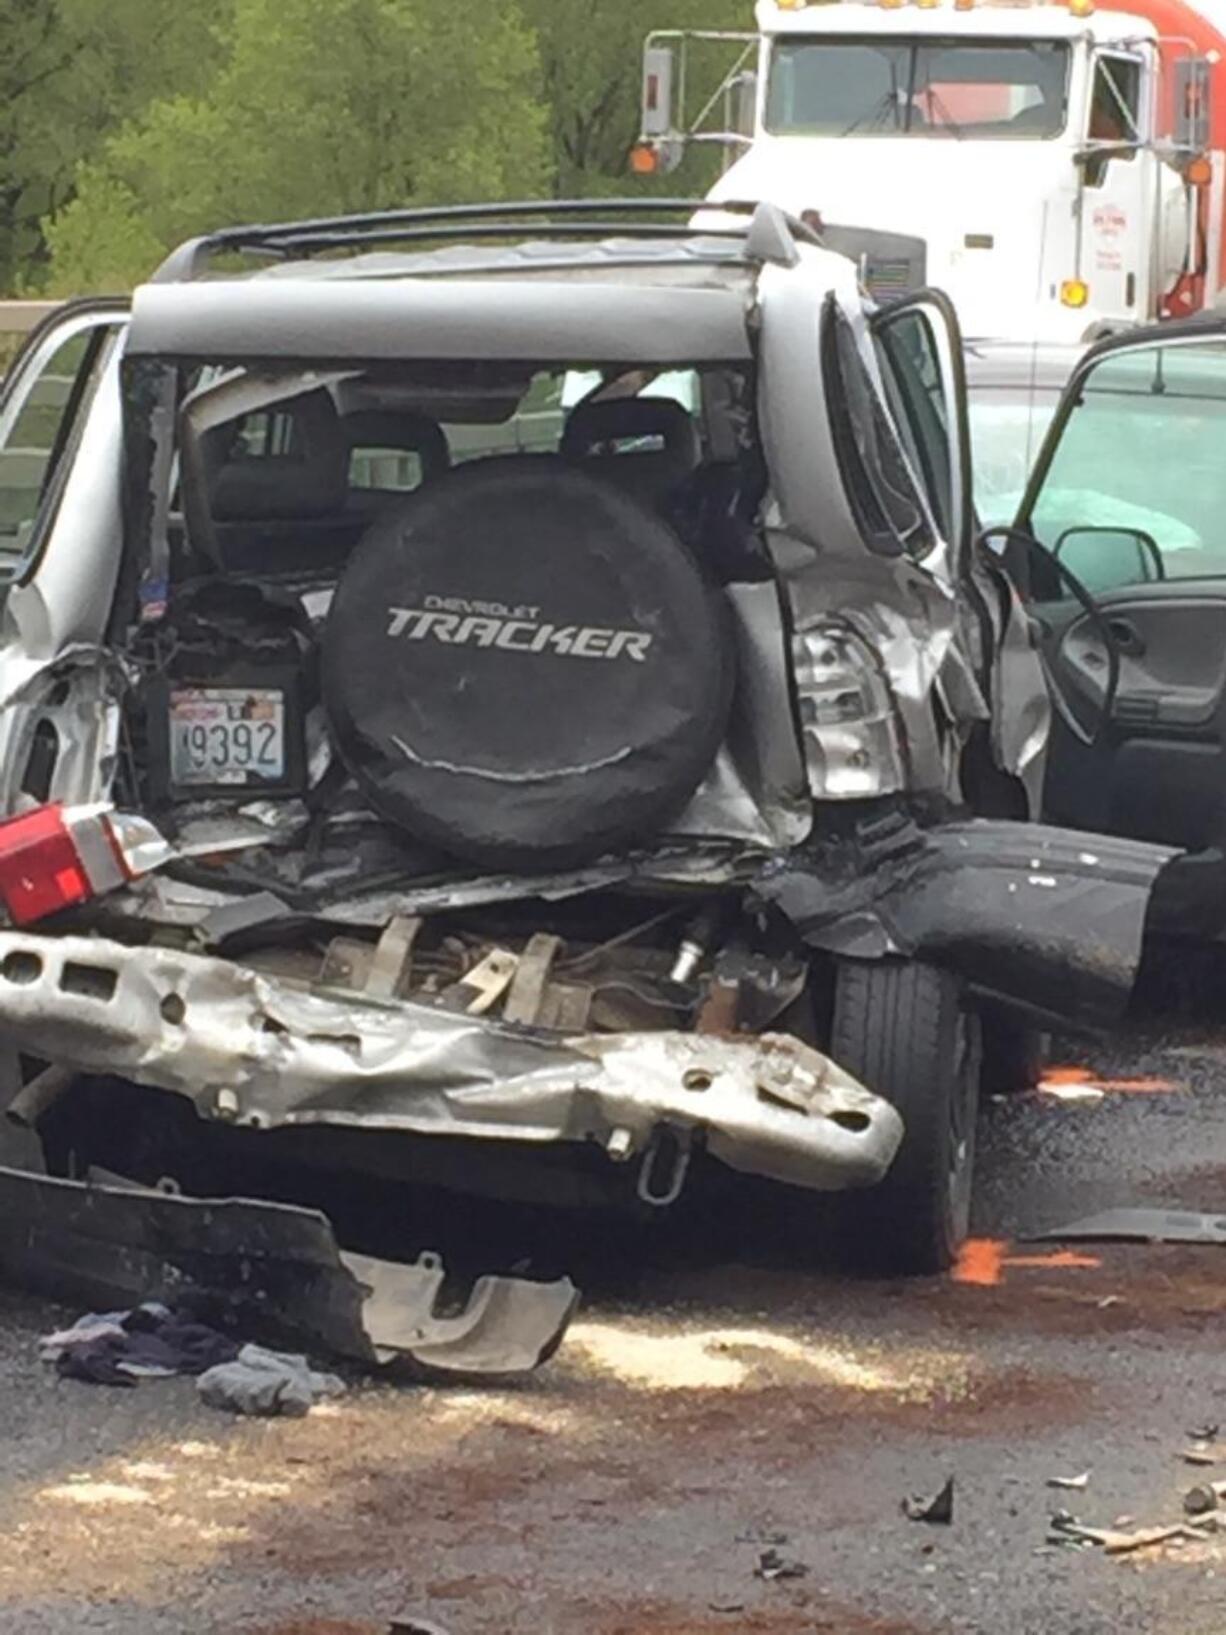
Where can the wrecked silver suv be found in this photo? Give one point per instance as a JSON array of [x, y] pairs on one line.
[[445, 774]]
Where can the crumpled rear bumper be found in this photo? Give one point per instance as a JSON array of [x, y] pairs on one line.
[[255, 1050]]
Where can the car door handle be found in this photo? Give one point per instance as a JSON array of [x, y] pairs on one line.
[[1126, 637]]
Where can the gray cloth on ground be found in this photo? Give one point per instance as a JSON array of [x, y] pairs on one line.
[[266, 1383]]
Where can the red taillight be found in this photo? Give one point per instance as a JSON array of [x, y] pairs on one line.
[[58, 856]]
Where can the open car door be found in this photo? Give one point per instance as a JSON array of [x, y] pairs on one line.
[[1126, 575], [920, 353]]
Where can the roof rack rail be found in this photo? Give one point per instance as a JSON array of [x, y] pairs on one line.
[[768, 234]]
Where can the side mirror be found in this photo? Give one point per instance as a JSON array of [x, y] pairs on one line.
[[659, 82], [1107, 558], [744, 99], [1193, 103]]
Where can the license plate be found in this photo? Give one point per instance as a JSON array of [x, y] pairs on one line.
[[227, 735]]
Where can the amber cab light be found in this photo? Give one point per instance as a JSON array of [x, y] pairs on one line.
[[1198, 172]]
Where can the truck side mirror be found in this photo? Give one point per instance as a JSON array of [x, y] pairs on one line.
[[744, 103], [1193, 103], [659, 80]]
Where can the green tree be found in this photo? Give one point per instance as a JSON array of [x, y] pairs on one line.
[[319, 106], [70, 70], [591, 58]]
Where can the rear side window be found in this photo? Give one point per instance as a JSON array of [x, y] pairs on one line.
[[45, 420], [880, 490], [911, 369]]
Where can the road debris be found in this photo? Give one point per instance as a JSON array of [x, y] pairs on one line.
[[264, 1384], [124, 1347], [1203, 1499], [937, 1507], [1141, 1226], [1065, 1528], [268, 1270], [771, 1565], [1204, 1433], [1075, 1483], [1200, 1456], [761, 1535]]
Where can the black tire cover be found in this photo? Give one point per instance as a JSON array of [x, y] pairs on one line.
[[524, 666]]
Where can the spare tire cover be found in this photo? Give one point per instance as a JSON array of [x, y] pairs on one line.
[[524, 666]]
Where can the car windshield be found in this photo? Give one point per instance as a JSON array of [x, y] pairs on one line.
[[1014, 90], [1142, 452]]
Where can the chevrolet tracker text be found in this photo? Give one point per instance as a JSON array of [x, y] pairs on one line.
[[515, 634]]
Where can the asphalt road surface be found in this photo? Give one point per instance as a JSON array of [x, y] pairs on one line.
[[731, 1399]]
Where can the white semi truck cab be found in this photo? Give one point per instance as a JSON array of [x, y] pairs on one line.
[[1054, 168]]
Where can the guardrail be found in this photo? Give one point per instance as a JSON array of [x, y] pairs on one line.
[[19, 317]]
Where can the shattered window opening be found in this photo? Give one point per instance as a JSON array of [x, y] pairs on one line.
[[879, 485]]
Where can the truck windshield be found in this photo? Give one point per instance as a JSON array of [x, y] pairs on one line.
[[1002, 90]]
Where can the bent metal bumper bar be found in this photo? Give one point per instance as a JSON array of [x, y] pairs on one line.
[[266, 1052]]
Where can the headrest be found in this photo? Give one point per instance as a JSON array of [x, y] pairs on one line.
[[410, 432], [596, 434], [309, 480], [597, 428]]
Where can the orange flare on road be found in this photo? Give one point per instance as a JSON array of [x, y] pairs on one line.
[[1144, 1085], [979, 1261], [982, 1261]]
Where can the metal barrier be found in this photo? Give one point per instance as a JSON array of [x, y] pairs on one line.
[[19, 317]]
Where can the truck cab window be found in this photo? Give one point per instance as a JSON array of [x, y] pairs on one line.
[[1115, 102], [1010, 90]]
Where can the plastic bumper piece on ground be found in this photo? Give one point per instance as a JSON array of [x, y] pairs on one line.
[[267, 1269]]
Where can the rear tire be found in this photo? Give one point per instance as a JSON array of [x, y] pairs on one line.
[[902, 1029]]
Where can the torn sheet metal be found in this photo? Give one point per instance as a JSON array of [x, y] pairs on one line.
[[1142, 1226], [267, 1268], [255, 1050], [1052, 919]]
